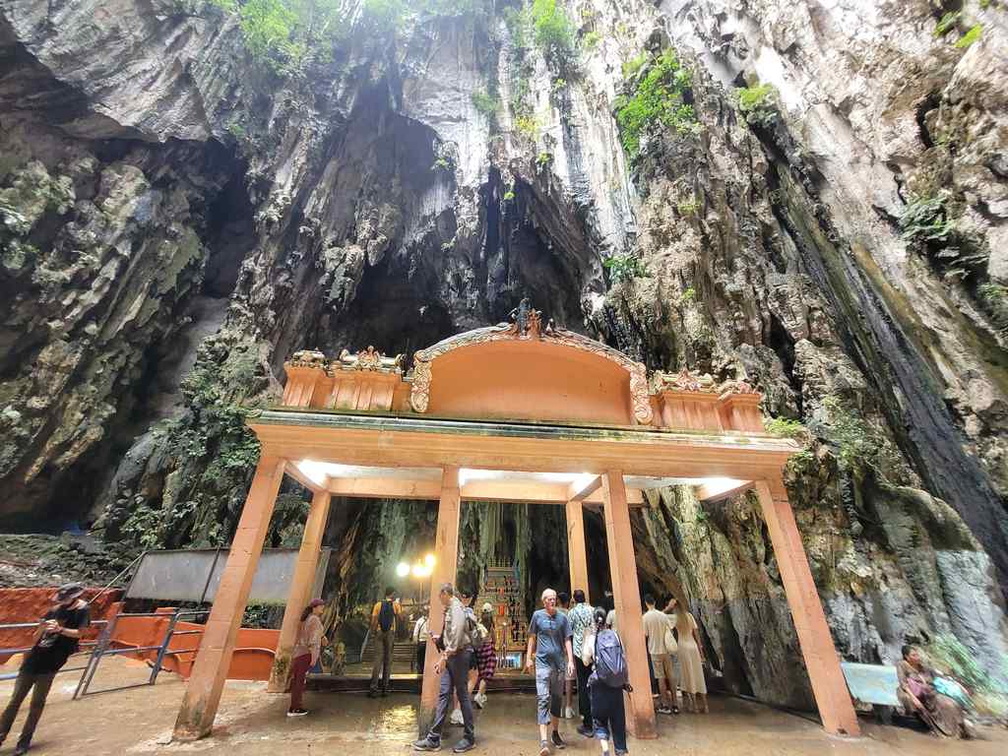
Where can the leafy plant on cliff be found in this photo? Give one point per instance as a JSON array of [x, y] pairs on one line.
[[786, 428], [946, 23], [485, 103], [657, 102], [553, 33], [288, 35], [858, 444], [756, 103], [972, 35], [623, 267], [929, 224], [210, 454]]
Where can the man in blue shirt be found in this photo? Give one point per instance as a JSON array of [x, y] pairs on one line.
[[549, 648]]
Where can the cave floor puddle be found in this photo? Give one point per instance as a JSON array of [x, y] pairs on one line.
[[254, 723]]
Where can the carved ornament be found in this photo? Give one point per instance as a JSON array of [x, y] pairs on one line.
[[369, 359], [737, 386], [310, 358], [684, 380]]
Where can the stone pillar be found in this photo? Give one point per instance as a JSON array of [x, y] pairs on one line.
[[203, 692], [301, 585], [446, 553], [577, 555], [626, 594], [828, 685]]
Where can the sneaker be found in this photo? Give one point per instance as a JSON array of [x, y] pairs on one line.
[[586, 732], [544, 748], [557, 740], [675, 709], [463, 745], [296, 712], [664, 709], [569, 713], [456, 717], [426, 744], [476, 702], [481, 699], [621, 753], [21, 750]]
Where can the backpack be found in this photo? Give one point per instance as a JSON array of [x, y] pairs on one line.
[[386, 616], [474, 629], [610, 663]]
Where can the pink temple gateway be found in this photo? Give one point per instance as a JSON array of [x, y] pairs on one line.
[[519, 412]]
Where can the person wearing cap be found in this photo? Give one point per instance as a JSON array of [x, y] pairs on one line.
[[305, 654], [55, 640]]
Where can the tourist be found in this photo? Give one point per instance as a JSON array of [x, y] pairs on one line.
[[918, 695], [468, 597], [305, 655], [549, 650], [690, 652], [563, 606], [486, 657], [55, 640], [421, 631], [383, 625], [580, 618], [602, 650], [609, 602], [662, 647], [453, 666]]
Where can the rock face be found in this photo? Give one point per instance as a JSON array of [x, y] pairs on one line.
[[181, 210]]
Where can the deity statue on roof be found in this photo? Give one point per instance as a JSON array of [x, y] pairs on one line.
[[526, 320]]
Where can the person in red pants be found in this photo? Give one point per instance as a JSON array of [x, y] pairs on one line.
[[305, 654]]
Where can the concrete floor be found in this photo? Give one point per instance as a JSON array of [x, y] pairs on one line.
[[253, 723]]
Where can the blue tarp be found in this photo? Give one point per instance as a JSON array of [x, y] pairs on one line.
[[872, 683]]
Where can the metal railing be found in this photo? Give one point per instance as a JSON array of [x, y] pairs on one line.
[[105, 640], [26, 649]]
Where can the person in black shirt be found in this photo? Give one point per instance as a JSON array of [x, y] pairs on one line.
[[55, 640]]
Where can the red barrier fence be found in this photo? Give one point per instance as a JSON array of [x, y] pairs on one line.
[[254, 648]]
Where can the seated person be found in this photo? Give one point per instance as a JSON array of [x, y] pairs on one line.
[[918, 696]]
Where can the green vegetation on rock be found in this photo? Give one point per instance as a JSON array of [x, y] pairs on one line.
[[656, 102], [756, 103], [485, 103], [946, 23], [553, 33], [929, 224], [623, 267], [972, 35]]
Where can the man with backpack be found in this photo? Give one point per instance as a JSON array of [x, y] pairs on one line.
[[602, 650], [383, 629], [549, 650], [455, 645]]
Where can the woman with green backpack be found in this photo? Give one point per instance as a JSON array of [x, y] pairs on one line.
[[602, 651]]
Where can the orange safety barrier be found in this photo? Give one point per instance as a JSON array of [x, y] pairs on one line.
[[253, 655], [254, 648]]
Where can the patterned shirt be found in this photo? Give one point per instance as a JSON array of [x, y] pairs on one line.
[[580, 619]]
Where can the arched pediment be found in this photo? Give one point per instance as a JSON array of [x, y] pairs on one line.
[[552, 374]]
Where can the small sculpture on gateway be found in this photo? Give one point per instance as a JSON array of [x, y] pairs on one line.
[[526, 321]]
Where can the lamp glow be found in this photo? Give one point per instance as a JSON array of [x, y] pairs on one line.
[[429, 560], [403, 569]]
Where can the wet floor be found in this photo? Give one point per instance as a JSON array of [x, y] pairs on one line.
[[254, 723]]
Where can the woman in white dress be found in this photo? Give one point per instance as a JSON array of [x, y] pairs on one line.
[[691, 674]]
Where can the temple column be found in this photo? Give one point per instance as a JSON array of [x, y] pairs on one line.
[[203, 692], [577, 555], [300, 587], [446, 554], [626, 595], [828, 685]]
